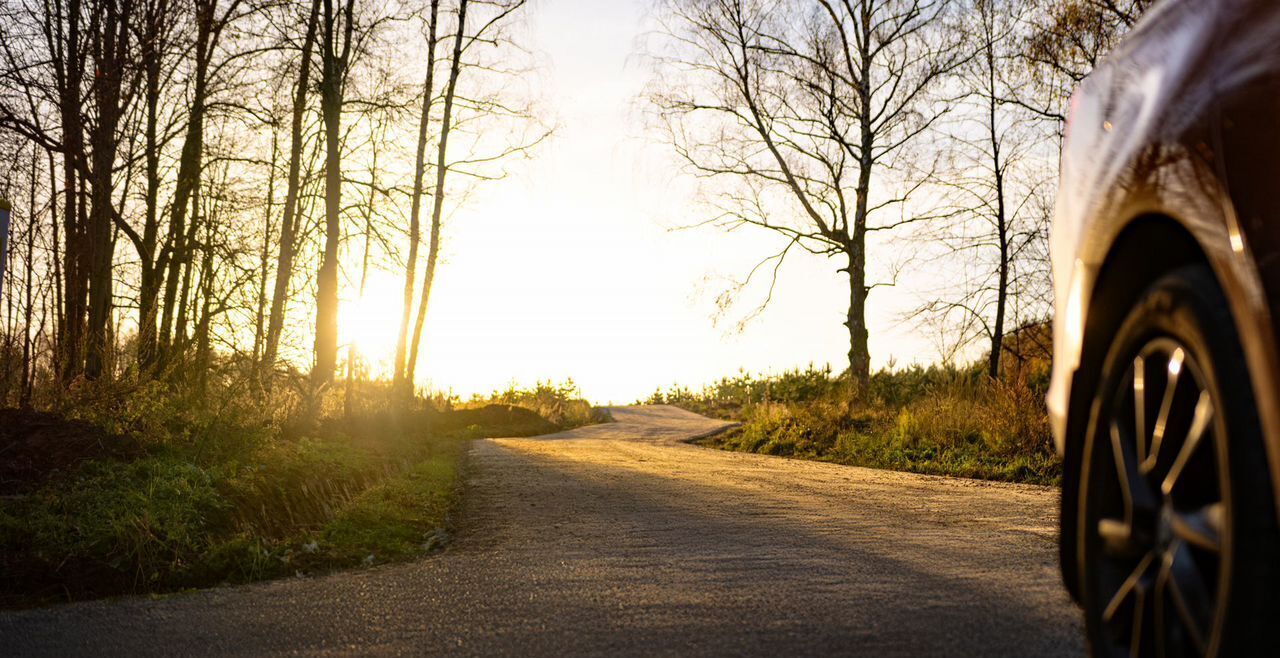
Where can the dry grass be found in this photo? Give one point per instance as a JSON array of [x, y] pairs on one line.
[[943, 421]]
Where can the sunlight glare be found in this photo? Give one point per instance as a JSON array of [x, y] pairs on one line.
[[372, 321]]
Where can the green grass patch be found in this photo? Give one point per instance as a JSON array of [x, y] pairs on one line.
[[226, 489], [402, 517]]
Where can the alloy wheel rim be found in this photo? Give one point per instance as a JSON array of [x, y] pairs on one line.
[[1162, 521]]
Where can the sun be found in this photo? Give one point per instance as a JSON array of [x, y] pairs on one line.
[[372, 321]]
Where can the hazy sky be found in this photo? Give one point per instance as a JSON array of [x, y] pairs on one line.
[[569, 268]]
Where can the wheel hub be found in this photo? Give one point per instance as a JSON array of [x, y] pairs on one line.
[[1164, 527]]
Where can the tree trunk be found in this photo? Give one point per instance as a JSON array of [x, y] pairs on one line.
[[57, 362], [179, 343], [288, 221], [24, 391], [856, 320], [437, 209], [75, 289], [331, 87], [178, 256], [264, 257], [326, 345], [419, 173], [202, 356], [109, 79], [1002, 300], [8, 288]]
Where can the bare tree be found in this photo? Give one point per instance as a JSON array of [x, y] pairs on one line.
[[481, 55], [415, 211], [29, 299], [1066, 41], [112, 53], [798, 112], [288, 221], [68, 60], [156, 34], [998, 169], [211, 21], [45, 60], [336, 35], [438, 197], [152, 119]]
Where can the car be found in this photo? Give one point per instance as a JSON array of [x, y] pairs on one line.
[[1165, 394]]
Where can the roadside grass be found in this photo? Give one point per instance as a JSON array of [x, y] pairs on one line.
[[229, 489], [937, 420]]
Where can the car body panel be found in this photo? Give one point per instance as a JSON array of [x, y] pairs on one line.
[[1181, 123]]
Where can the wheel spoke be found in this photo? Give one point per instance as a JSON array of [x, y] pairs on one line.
[[1188, 594], [1133, 585], [1166, 405], [1160, 594], [1199, 425], [1140, 405], [1139, 614], [1132, 485], [1121, 539], [1161, 526], [1201, 528]]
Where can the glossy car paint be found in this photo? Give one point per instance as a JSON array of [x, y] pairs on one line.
[[1178, 128], [1177, 125]]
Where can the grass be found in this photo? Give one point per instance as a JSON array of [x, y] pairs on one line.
[[227, 489], [937, 420]]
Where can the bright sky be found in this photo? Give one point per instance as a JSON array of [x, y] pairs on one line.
[[569, 268]]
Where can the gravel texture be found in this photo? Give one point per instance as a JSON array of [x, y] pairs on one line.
[[621, 539]]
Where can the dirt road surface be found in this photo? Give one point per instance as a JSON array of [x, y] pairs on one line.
[[621, 539]]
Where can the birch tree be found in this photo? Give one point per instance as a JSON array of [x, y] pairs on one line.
[[799, 115], [998, 176], [415, 200], [495, 123]]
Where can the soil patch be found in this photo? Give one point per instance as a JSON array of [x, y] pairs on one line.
[[497, 420], [36, 446]]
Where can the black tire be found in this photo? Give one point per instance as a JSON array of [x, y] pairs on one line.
[[1177, 526]]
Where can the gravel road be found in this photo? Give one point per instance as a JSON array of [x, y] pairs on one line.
[[621, 539]]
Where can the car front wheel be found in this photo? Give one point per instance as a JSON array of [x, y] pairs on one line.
[[1177, 524]]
